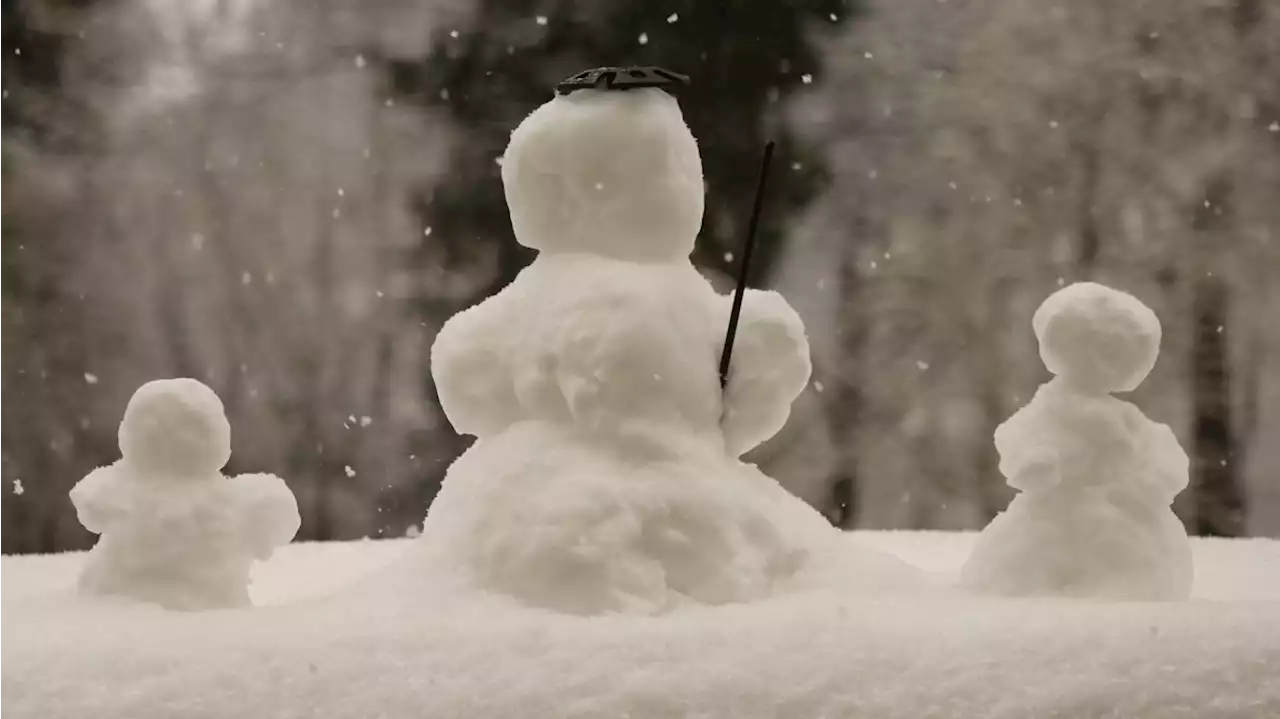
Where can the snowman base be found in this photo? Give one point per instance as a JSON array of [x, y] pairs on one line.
[[644, 526]]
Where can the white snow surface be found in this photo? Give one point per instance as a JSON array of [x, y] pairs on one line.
[[605, 476], [174, 530], [334, 638], [1096, 477]]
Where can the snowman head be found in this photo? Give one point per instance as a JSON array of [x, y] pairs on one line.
[[1097, 339], [607, 173], [175, 427]]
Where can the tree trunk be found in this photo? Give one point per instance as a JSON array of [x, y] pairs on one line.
[[1219, 503], [1218, 508], [844, 410]]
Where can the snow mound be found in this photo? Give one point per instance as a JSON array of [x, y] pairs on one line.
[[333, 641], [174, 530]]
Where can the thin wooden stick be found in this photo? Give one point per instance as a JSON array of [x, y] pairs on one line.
[[746, 265]]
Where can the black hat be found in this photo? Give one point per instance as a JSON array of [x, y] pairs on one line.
[[622, 78]]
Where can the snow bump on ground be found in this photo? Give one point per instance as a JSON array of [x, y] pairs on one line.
[[328, 640]]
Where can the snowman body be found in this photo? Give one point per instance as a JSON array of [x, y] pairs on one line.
[[1095, 477], [174, 530], [605, 474]]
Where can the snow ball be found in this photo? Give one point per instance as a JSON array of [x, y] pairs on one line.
[[1096, 338], [636, 146], [177, 427], [268, 512]]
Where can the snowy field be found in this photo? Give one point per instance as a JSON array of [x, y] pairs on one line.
[[330, 641]]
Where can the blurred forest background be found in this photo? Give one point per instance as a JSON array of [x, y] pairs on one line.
[[286, 199]]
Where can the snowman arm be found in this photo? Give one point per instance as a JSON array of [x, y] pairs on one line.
[[472, 373], [1169, 467], [1037, 472], [1031, 448], [769, 368], [268, 512], [97, 500]]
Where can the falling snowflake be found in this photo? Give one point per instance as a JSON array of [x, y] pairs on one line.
[[541, 19], [806, 78], [413, 531], [453, 34], [644, 38], [366, 420], [91, 378], [922, 365], [349, 471], [819, 387], [18, 489], [426, 231], [672, 18], [360, 63], [728, 257]]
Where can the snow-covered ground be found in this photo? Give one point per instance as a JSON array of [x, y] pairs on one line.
[[329, 642]]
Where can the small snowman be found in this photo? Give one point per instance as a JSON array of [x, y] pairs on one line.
[[1096, 477], [605, 476], [174, 530]]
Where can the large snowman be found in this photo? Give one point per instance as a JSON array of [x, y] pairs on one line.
[[606, 476], [1096, 477]]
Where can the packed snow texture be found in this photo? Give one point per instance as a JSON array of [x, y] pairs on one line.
[[1096, 477], [606, 474], [615, 173], [331, 639], [175, 531], [1097, 339]]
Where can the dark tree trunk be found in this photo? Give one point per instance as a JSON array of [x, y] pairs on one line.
[[1219, 503], [1090, 238], [844, 410], [1218, 507]]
